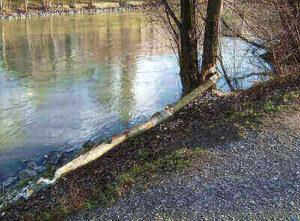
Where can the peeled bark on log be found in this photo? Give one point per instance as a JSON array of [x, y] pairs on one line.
[[156, 119]]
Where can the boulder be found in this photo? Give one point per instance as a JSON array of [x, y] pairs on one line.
[[9, 181], [31, 165], [40, 169], [26, 161], [71, 149], [54, 158]]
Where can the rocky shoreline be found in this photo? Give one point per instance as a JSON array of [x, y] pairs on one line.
[[40, 165], [116, 7], [212, 120], [45, 165]]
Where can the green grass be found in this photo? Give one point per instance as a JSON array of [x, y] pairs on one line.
[[143, 153], [175, 160], [24, 183], [250, 114], [138, 174], [271, 107], [293, 95]]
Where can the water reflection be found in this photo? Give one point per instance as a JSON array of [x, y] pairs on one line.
[[66, 79], [242, 63]]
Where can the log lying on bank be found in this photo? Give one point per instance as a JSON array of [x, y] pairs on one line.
[[156, 119]]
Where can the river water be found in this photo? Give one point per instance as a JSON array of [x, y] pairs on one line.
[[67, 79]]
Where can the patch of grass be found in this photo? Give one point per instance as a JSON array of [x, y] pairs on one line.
[[143, 153], [24, 182], [291, 96], [91, 203], [271, 107], [55, 215], [175, 160], [50, 171], [247, 113], [244, 114], [200, 151], [245, 117]]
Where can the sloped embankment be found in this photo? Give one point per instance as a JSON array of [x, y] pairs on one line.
[[256, 177], [230, 155]]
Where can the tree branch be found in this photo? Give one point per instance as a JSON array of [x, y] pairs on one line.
[[171, 26], [168, 8], [241, 36]]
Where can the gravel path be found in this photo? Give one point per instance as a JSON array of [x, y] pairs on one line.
[[257, 177]]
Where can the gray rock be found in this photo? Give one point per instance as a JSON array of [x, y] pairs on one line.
[[27, 174], [89, 144], [10, 181], [40, 169], [54, 158], [294, 218], [31, 165], [69, 151], [25, 161]]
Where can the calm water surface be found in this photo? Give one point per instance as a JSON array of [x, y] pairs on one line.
[[64, 80]]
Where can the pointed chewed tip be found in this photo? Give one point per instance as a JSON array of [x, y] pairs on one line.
[[43, 181]]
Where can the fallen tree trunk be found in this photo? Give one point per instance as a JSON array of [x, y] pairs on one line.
[[156, 119]]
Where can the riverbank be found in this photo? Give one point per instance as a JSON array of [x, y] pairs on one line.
[[93, 38], [253, 178], [66, 9], [204, 132]]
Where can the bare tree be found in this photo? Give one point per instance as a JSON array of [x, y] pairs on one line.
[[183, 29], [91, 3], [185, 21], [211, 37], [46, 4], [275, 23], [26, 5], [2, 5]]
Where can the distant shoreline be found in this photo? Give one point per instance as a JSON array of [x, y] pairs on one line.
[[78, 9]]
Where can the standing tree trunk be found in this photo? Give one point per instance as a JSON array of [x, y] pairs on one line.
[[211, 37], [184, 32], [91, 3], [188, 54], [25, 5], [46, 4]]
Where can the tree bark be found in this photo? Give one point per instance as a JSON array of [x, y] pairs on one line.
[[46, 4], [91, 3], [188, 54], [211, 37], [26, 5], [184, 32]]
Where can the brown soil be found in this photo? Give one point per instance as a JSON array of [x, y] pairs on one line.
[[210, 120]]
